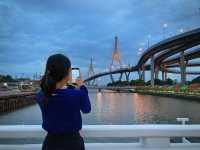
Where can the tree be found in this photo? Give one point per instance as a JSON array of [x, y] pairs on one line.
[[137, 82], [6, 78], [196, 80], [168, 82]]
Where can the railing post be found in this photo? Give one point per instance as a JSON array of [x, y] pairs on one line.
[[155, 142], [183, 122]]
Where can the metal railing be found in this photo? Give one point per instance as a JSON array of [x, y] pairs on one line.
[[151, 136]]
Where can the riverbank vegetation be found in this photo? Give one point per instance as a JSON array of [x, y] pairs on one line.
[[184, 90], [139, 82], [9, 78], [6, 78], [158, 82], [168, 86]]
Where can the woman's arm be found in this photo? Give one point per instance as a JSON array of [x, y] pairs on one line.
[[85, 105]]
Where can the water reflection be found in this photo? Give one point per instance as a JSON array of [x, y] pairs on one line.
[[99, 101]]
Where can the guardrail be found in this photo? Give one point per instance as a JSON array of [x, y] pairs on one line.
[[151, 136]]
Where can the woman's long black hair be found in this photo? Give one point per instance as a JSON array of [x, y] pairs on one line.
[[57, 67]]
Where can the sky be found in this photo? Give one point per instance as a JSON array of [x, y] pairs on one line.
[[31, 30]]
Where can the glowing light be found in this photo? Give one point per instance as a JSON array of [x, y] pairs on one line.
[[140, 49], [181, 30], [99, 101], [5, 84], [165, 25]]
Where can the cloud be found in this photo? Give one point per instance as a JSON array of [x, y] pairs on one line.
[[32, 30]]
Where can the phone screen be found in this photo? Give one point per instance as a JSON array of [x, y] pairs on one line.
[[75, 74]]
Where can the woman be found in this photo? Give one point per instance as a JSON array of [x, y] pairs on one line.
[[61, 106]]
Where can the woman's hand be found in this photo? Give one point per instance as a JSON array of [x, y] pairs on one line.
[[80, 82]]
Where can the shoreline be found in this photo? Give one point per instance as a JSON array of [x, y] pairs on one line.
[[172, 95], [179, 95], [15, 101], [162, 94]]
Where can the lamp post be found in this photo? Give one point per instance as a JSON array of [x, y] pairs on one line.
[[140, 50], [148, 40], [181, 30], [165, 25]]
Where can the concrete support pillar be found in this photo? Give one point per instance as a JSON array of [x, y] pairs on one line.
[[183, 68], [143, 72], [120, 77], [112, 79], [152, 71], [140, 74], [93, 82], [127, 74], [156, 72], [165, 75]]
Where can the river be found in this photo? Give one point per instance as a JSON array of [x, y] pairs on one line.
[[119, 108]]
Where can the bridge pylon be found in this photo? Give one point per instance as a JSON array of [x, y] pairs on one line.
[[116, 60], [91, 73]]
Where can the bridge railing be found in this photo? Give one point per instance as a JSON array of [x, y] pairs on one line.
[[151, 136]]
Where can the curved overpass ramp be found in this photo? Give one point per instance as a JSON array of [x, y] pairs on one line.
[[182, 41]]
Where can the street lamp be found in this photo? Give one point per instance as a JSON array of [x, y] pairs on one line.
[[181, 30], [148, 40], [140, 50], [5, 84], [165, 25]]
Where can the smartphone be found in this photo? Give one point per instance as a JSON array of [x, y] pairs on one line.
[[75, 74]]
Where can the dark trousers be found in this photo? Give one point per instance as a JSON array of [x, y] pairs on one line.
[[64, 141]]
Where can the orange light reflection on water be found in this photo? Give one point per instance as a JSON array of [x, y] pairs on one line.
[[99, 101], [142, 107], [111, 102]]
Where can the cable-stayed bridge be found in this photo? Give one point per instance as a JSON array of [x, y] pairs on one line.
[[174, 52]]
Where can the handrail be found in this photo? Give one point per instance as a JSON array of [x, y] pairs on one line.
[[151, 135], [148, 130]]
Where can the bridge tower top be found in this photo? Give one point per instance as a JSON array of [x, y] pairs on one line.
[[116, 42], [91, 68], [116, 57]]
